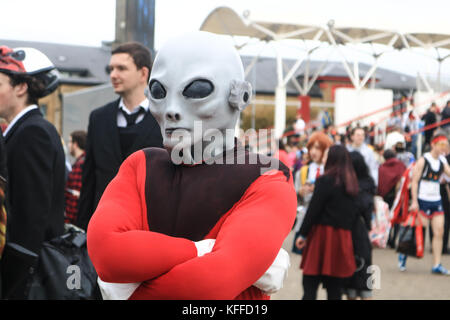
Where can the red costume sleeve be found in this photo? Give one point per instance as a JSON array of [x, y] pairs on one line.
[[121, 247], [248, 239]]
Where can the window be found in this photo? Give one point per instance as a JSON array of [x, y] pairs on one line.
[[75, 73]]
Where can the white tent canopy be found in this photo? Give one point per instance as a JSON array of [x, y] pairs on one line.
[[303, 21], [397, 28]]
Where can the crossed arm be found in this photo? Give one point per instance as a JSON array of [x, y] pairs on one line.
[[249, 238]]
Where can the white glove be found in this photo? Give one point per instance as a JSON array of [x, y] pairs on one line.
[[116, 291], [204, 246], [272, 280]]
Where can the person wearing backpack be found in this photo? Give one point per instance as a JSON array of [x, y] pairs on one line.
[[357, 285], [35, 161], [389, 179], [325, 235]]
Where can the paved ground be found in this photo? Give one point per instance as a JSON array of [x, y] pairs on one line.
[[416, 283]]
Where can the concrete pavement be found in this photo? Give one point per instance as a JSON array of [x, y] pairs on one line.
[[416, 282]]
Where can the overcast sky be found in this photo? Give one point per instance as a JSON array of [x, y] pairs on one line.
[[89, 22]]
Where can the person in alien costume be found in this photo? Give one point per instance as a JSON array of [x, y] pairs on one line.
[[202, 218]]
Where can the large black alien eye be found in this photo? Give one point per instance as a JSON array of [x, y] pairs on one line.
[[157, 90], [198, 89]]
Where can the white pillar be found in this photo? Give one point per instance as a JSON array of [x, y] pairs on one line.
[[419, 145], [280, 99], [280, 110]]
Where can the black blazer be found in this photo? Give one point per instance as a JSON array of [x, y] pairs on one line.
[[104, 155], [36, 171], [330, 205]]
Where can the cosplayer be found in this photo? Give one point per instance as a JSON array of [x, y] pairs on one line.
[[317, 144], [198, 219], [305, 178]]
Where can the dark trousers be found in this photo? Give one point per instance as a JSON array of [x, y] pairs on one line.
[[446, 208], [393, 233], [333, 286], [446, 205]]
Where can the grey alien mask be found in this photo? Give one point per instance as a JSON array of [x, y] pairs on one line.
[[197, 90]]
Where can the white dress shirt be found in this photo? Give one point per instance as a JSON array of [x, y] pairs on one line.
[[122, 122]]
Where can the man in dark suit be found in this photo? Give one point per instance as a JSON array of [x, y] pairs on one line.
[[35, 156], [119, 128]]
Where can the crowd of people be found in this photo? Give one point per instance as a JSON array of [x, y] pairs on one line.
[[331, 214], [123, 191]]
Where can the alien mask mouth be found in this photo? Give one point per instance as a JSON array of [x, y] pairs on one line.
[[177, 131]]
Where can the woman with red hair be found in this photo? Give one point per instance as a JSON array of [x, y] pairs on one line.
[[305, 178], [317, 144], [326, 230]]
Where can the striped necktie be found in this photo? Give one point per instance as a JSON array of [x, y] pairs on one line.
[[131, 118]]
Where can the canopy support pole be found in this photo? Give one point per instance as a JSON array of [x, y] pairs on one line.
[[354, 81], [280, 100]]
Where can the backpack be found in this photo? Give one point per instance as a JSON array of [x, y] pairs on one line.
[[62, 271]]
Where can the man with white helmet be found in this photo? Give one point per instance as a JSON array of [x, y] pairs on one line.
[[198, 220], [396, 141], [35, 157]]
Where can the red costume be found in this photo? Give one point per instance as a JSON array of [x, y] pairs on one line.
[[149, 216]]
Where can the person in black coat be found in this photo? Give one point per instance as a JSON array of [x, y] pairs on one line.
[[325, 234], [35, 162], [445, 116], [357, 285], [429, 118], [119, 128]]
